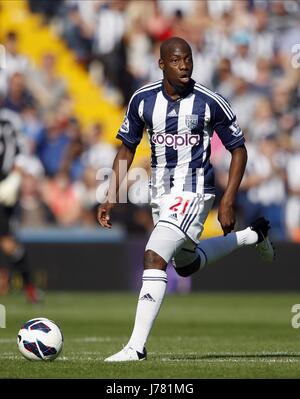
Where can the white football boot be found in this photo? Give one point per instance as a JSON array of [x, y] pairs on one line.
[[264, 246], [127, 354]]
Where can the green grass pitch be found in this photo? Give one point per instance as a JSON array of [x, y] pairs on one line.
[[205, 335]]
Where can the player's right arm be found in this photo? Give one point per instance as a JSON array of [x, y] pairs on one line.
[[119, 174]]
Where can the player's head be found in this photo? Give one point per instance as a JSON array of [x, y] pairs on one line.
[[176, 62]]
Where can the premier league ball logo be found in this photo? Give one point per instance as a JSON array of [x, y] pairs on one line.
[[191, 121], [125, 125]]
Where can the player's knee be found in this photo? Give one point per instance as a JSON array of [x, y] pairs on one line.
[[186, 262], [161, 247], [187, 270], [154, 261]]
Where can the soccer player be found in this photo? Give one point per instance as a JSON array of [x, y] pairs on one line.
[[10, 180], [180, 116]]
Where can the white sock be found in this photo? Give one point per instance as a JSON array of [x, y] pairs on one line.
[[216, 248], [150, 299]]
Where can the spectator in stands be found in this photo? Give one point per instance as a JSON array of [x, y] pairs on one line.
[[48, 9], [52, 143], [262, 41], [138, 49], [72, 162], [219, 35], [33, 126], [263, 78], [154, 73], [99, 154], [62, 199], [222, 81], [263, 123], [15, 62], [32, 210], [243, 62], [158, 24], [284, 107], [78, 33], [86, 190], [18, 96], [263, 186], [170, 8], [109, 46], [244, 101], [48, 88], [295, 136], [293, 201]]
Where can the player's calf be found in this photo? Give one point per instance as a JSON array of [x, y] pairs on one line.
[[154, 261]]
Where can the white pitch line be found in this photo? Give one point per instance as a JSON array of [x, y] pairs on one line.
[[291, 360], [80, 340], [214, 355], [94, 339], [86, 357]]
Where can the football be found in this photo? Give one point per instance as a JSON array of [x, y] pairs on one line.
[[40, 339]]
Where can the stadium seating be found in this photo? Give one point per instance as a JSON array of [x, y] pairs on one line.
[[89, 102]]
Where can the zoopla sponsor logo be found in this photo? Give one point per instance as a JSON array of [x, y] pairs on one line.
[[176, 140], [2, 316]]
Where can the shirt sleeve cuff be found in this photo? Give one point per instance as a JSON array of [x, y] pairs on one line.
[[237, 143], [125, 141]]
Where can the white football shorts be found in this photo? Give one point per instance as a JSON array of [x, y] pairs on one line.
[[184, 213]]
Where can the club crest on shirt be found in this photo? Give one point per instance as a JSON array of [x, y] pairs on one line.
[[191, 121]]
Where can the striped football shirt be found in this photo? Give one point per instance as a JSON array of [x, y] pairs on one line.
[[179, 134]]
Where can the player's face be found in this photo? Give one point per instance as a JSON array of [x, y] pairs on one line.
[[177, 66]]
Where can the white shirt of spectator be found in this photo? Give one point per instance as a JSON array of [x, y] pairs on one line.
[[293, 202], [270, 191], [100, 155], [109, 31], [187, 7]]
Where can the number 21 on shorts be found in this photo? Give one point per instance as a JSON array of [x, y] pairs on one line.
[[180, 205]]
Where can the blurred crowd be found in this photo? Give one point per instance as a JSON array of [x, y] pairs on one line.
[[246, 50]]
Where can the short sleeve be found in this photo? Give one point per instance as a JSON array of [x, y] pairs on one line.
[[131, 130], [225, 124]]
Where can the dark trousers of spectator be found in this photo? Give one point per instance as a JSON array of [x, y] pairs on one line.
[[115, 71], [273, 212]]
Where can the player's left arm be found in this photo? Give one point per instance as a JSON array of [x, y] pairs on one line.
[[225, 124], [226, 214]]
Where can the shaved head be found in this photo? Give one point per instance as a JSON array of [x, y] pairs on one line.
[[170, 45], [176, 63]]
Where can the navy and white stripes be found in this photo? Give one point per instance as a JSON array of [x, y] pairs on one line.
[[155, 275], [179, 133], [190, 216], [216, 97], [155, 279]]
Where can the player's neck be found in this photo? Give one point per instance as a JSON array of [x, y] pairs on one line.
[[176, 93]]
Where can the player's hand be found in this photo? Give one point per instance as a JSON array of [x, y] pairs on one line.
[[226, 217], [103, 215]]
